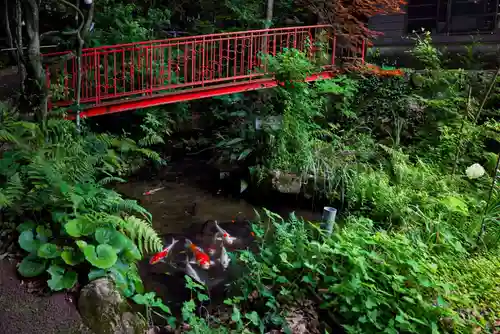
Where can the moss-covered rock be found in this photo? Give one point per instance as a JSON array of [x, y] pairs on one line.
[[105, 311]]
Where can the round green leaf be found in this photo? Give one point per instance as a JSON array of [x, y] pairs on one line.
[[104, 235], [48, 251], [61, 279], [111, 237], [96, 273], [72, 256], [31, 266], [136, 281], [132, 253], [72, 227], [54, 270], [43, 233], [26, 226], [28, 242], [80, 226], [121, 282], [102, 256]]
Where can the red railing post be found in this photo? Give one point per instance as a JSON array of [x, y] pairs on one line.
[[202, 72], [97, 73], [151, 60]]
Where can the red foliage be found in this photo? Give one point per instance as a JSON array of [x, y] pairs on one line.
[[384, 73], [350, 17], [370, 69]]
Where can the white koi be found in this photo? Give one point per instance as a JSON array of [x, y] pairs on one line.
[[226, 237], [224, 258], [190, 271]]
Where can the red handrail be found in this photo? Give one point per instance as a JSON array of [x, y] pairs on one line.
[[149, 68]]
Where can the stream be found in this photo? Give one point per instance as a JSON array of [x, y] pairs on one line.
[[188, 194]]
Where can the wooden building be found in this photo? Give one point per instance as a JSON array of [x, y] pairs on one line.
[[452, 23]]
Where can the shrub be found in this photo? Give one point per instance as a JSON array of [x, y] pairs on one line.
[[374, 280], [53, 184]]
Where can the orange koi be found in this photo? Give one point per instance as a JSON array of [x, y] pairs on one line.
[[201, 258], [160, 256]]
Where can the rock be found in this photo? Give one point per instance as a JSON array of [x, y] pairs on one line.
[[302, 318], [105, 311], [286, 183]]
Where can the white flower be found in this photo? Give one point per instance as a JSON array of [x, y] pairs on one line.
[[475, 171]]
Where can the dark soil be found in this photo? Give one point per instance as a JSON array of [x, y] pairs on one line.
[[25, 312]]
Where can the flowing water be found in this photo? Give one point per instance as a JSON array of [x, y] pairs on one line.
[[183, 198]]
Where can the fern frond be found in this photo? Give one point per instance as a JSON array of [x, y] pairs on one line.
[[105, 139], [110, 179], [143, 234], [5, 201], [150, 154], [125, 144], [151, 139], [130, 206], [14, 188], [8, 137]]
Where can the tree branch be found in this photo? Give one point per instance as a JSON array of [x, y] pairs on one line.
[[67, 33], [8, 31]]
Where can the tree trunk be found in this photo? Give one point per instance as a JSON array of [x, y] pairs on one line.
[[35, 80], [269, 13], [19, 46], [8, 31]]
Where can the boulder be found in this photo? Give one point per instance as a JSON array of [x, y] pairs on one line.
[[286, 183], [105, 311]]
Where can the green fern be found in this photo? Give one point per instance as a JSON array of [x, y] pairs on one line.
[[110, 179], [143, 234]]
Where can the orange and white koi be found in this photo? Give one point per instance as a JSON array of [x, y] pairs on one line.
[[201, 258], [160, 256], [152, 191], [212, 249], [228, 239]]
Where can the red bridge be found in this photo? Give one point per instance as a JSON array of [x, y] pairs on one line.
[[137, 75]]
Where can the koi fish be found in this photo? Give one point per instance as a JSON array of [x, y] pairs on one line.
[[201, 258], [243, 185], [190, 271], [212, 249], [152, 191], [228, 239], [224, 258], [160, 256]]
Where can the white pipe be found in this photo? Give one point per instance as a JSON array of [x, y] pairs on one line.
[[329, 215]]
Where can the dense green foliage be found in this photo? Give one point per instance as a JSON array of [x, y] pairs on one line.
[[54, 185], [416, 248]]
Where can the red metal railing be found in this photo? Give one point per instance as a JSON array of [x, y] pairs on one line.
[[139, 70]]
